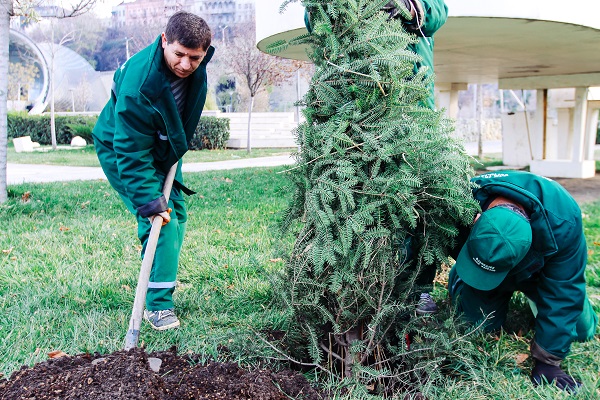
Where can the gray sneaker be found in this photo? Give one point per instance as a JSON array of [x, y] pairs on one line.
[[162, 320], [426, 305]]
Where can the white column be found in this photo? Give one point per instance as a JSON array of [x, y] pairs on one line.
[[447, 97], [579, 123]]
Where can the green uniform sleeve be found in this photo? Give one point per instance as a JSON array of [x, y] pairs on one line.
[[133, 143], [436, 14]]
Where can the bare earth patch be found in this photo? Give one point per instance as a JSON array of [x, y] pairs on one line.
[[583, 190], [127, 375]]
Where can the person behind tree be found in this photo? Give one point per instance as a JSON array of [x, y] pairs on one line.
[[529, 238], [144, 129], [427, 17]]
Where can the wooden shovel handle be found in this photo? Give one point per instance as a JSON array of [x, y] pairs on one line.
[[133, 333]]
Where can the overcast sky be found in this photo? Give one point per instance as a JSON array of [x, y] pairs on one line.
[[103, 7]]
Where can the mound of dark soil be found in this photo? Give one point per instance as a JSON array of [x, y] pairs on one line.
[[127, 375]]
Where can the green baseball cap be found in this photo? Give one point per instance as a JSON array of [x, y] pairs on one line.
[[498, 241]]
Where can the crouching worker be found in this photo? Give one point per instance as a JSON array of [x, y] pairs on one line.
[[144, 129], [529, 238]]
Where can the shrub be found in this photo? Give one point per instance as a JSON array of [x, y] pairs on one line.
[[211, 133], [38, 127]]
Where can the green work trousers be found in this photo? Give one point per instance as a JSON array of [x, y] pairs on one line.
[[163, 274], [475, 304]]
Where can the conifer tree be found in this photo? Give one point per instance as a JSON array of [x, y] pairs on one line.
[[379, 190]]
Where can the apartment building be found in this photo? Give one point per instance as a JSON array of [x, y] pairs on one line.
[[221, 15]]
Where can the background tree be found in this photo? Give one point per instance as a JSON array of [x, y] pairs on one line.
[[87, 32], [6, 10], [110, 52], [380, 187], [24, 8], [21, 77], [55, 47], [253, 68]]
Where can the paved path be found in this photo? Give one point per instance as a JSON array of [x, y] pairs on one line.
[[25, 173], [21, 173]]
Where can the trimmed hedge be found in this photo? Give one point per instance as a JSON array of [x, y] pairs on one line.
[[38, 127], [211, 133]]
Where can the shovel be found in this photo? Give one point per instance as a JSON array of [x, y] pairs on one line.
[[133, 333]]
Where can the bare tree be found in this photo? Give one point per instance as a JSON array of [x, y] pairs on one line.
[[255, 69], [54, 48], [6, 11], [25, 8]]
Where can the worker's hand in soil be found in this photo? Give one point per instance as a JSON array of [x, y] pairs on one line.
[[553, 374], [165, 216]]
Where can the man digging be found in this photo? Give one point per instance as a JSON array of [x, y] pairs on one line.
[[155, 105]]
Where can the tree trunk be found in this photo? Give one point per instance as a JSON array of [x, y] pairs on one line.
[[52, 118], [250, 106], [5, 11]]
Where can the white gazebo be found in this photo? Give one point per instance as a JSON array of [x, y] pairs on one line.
[[550, 46]]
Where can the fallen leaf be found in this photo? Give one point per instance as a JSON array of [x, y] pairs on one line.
[[274, 260], [57, 354], [520, 358], [7, 251], [230, 287], [597, 243], [25, 197], [63, 229], [126, 287], [85, 204], [89, 381], [228, 180]]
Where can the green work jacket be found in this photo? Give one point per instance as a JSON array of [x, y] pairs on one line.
[[552, 273], [139, 134], [436, 14]]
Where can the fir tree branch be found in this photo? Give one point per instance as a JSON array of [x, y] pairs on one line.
[[288, 358], [324, 155], [331, 352], [426, 349], [360, 74]]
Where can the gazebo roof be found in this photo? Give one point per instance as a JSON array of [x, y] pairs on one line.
[[527, 44]]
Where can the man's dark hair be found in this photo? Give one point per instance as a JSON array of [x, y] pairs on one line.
[[189, 30]]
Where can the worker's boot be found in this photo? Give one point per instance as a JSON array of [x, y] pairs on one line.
[[162, 320], [426, 305]]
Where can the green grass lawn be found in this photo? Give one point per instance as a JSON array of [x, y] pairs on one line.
[[69, 263], [86, 157]]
